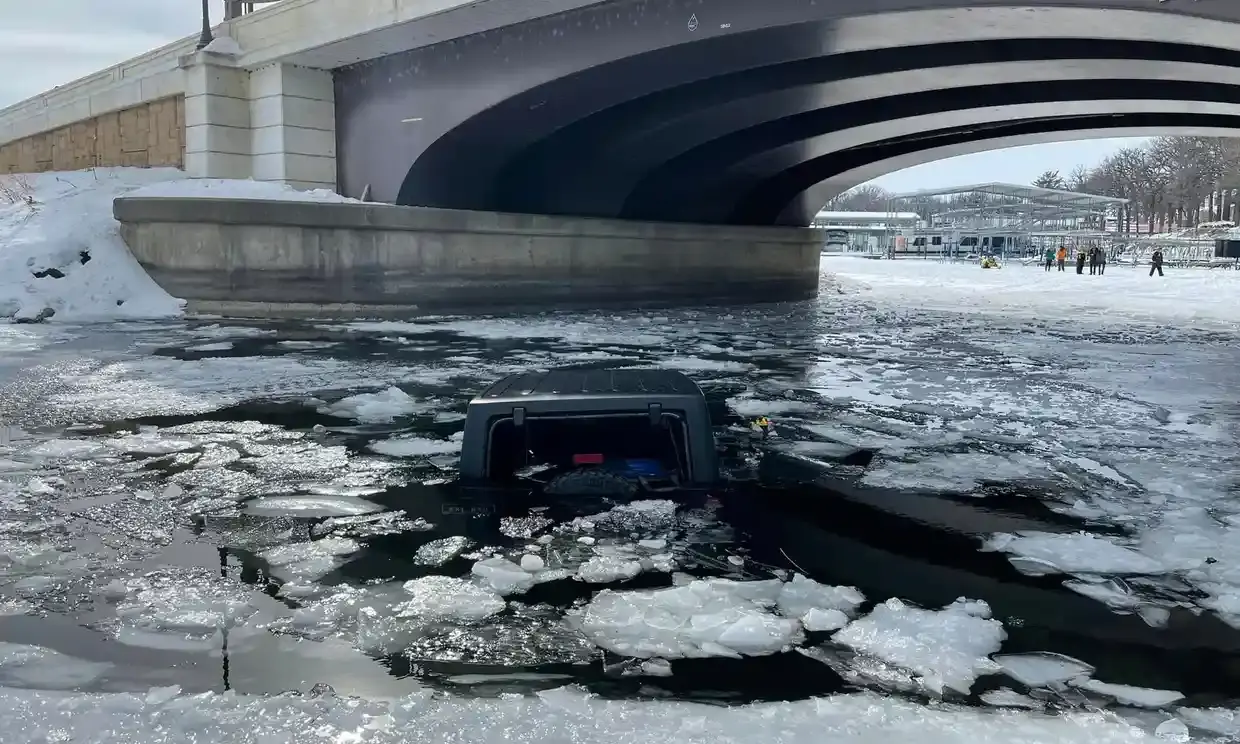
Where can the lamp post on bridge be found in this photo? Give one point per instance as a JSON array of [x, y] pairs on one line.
[[206, 37]]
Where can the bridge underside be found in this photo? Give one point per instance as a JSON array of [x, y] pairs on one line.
[[738, 113]]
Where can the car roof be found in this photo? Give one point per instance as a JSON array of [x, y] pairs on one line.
[[579, 383]]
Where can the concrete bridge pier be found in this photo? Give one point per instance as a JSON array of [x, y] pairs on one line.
[[256, 258], [274, 123]]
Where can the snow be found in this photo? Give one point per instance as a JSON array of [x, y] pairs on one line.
[[1123, 294], [69, 220], [220, 188], [560, 716], [72, 213], [949, 648], [225, 45]]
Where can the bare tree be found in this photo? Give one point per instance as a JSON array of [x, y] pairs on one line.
[[864, 198], [1078, 179], [1171, 181]]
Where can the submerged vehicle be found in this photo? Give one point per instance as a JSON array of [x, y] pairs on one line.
[[591, 431], [621, 433]]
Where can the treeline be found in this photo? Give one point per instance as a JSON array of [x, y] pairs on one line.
[[1170, 182]]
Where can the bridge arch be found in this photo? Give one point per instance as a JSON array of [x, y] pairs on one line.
[[649, 120]]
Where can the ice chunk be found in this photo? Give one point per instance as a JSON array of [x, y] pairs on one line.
[[1223, 721], [439, 552], [502, 576], [818, 620], [703, 618], [1172, 729], [161, 695], [382, 407], [43, 668], [1113, 592], [149, 442], [185, 601], [414, 446], [1080, 552], [603, 569], [310, 506], [310, 559], [1142, 697], [555, 717], [1042, 669], [532, 563], [803, 594], [10, 606], [657, 668], [440, 598], [949, 648], [1006, 698], [647, 515], [956, 472]]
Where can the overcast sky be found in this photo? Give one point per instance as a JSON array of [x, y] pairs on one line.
[[49, 43]]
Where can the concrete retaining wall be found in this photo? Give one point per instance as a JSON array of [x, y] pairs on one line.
[[248, 257]]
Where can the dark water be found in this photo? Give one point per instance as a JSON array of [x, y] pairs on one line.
[[1052, 395]]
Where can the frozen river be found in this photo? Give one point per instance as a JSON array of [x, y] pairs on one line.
[[260, 508]]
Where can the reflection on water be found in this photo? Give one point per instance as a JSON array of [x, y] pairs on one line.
[[221, 510]]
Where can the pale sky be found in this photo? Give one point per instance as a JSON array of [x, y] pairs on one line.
[[46, 44], [1013, 165]]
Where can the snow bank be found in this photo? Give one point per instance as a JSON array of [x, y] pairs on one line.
[[61, 251], [561, 716], [43, 245], [1124, 293]]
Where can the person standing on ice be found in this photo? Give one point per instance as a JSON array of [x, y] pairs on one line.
[[1094, 260], [1102, 261], [1156, 261], [1080, 260], [1050, 258], [1062, 256]]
